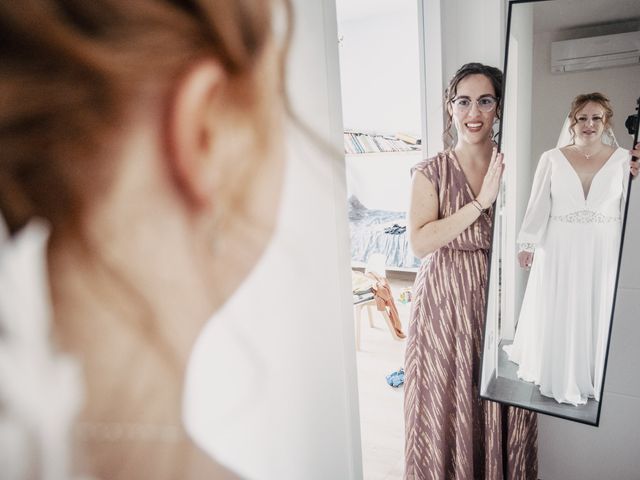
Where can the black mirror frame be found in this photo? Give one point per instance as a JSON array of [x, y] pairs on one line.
[[622, 235]]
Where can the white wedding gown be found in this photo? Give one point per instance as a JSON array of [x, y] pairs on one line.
[[561, 336]]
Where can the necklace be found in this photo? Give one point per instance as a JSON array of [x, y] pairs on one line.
[[586, 155]]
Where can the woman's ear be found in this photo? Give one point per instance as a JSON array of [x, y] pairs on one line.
[[192, 131]]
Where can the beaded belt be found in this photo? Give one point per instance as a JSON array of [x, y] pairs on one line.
[[585, 216]]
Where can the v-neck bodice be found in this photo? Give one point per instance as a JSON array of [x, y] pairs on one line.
[[454, 192], [458, 168], [567, 192], [557, 194], [586, 196]]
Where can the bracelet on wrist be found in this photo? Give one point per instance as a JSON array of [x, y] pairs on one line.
[[478, 205]]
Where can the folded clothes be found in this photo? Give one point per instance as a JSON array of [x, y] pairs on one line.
[[396, 379]]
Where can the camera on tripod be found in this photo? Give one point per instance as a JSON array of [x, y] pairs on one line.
[[632, 120]]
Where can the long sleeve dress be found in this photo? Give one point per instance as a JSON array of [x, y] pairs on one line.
[[450, 432], [563, 326]]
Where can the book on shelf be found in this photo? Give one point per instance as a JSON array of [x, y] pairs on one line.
[[405, 137], [361, 142]]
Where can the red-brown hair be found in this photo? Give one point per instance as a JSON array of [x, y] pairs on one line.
[[70, 70]]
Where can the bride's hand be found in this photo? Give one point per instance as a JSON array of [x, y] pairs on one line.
[[635, 164], [525, 259], [491, 182]]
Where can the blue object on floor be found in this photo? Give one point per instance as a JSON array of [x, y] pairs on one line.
[[396, 379]]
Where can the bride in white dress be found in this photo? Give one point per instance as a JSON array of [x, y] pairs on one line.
[[573, 224]]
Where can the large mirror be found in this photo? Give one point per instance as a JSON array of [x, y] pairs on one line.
[[559, 221]]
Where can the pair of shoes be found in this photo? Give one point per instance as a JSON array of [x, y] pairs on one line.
[[395, 229], [396, 379]]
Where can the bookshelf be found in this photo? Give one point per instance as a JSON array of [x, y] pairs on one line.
[[360, 143]]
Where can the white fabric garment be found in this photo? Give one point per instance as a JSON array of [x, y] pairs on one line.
[[562, 331], [40, 389], [268, 385]]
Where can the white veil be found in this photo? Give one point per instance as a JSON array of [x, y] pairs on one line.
[[566, 138]]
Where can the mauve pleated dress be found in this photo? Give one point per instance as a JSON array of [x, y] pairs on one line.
[[450, 432]]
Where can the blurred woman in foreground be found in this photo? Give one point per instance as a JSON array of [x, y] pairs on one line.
[[140, 171]]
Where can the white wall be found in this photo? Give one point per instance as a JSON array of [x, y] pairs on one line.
[[382, 181], [282, 350], [379, 66], [431, 75], [456, 32], [472, 32]]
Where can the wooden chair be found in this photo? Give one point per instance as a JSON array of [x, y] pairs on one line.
[[376, 263]]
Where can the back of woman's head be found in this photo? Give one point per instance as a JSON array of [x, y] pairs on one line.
[[72, 71], [492, 73]]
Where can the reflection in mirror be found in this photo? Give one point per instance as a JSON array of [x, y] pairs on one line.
[[571, 81]]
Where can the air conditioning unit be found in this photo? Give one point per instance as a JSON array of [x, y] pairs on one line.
[[595, 52]]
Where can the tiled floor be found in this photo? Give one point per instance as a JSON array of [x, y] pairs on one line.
[[381, 406]]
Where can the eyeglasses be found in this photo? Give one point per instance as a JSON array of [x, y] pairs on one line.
[[464, 104]]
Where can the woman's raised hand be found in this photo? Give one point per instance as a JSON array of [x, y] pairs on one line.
[[491, 182], [525, 259]]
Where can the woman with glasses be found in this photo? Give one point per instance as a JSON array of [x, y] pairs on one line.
[[450, 432], [570, 240]]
